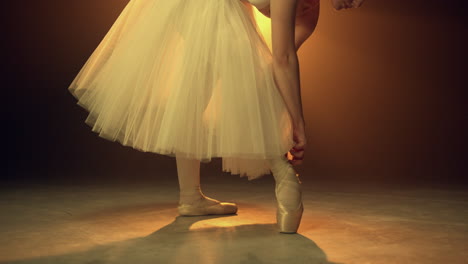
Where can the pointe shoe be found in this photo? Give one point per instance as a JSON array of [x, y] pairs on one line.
[[289, 198], [206, 206], [289, 220]]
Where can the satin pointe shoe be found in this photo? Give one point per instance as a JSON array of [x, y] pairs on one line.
[[206, 206], [288, 195]]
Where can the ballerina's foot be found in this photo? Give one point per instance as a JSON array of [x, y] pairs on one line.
[[206, 206], [288, 195]]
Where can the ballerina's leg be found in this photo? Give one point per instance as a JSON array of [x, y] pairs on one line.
[[192, 201]]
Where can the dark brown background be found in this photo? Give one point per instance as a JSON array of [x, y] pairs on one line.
[[383, 92]]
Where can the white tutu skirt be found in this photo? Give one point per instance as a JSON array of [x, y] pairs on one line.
[[192, 78]]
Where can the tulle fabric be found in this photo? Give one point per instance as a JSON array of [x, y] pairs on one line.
[[191, 78]]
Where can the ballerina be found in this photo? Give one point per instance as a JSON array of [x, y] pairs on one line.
[[195, 80]]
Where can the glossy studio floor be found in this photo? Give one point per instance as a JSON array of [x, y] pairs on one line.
[[137, 222]]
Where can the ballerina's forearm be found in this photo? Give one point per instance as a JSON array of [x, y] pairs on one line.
[[286, 75]]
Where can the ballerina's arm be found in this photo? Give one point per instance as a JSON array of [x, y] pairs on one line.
[[306, 20], [285, 60], [307, 14]]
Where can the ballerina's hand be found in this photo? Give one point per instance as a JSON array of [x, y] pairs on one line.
[[345, 4], [297, 152], [357, 3]]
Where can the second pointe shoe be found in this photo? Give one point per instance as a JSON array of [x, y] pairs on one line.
[[288, 195], [206, 206]]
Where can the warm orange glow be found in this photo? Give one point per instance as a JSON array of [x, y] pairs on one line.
[[264, 23]]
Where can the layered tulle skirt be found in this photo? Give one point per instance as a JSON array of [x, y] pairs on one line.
[[187, 78]]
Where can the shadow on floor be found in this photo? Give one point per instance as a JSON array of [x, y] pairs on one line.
[[177, 243]]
